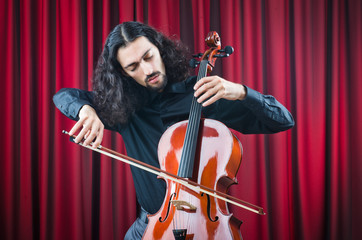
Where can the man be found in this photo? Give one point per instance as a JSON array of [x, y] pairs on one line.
[[141, 87]]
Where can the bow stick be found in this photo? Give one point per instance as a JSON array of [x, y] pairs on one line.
[[183, 181]]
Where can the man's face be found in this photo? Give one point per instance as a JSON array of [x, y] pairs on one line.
[[142, 61]]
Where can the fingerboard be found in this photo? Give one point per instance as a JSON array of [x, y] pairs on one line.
[[190, 143]]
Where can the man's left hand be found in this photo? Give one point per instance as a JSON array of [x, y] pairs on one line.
[[210, 89]]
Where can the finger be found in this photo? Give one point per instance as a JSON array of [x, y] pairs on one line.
[[212, 88], [76, 126], [87, 134], [202, 81], [82, 133], [207, 94], [93, 133], [211, 100], [205, 88], [99, 138]]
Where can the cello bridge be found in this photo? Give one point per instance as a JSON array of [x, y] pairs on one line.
[[183, 205]]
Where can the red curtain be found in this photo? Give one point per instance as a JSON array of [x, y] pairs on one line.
[[307, 53]]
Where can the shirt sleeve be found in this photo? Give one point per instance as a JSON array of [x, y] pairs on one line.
[[257, 113], [70, 100]]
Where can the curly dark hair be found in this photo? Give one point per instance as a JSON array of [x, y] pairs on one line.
[[118, 96]]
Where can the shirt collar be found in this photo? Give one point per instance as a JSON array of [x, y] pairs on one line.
[[180, 87]]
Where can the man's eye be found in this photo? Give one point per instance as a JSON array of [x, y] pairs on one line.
[[134, 68], [148, 57]]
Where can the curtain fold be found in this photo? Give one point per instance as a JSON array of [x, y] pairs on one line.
[[308, 54]]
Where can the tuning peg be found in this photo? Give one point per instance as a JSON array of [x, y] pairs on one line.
[[228, 50], [225, 52], [193, 63], [197, 55]]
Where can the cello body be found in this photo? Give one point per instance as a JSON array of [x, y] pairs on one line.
[[189, 213]]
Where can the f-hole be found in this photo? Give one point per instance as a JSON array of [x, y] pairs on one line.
[[168, 208], [209, 208]]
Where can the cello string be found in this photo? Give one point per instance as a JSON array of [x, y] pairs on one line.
[[189, 215], [176, 216], [188, 153], [173, 219], [197, 106], [194, 120]]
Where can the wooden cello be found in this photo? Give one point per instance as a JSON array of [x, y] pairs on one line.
[[206, 152]]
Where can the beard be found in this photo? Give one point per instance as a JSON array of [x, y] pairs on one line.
[[160, 85]]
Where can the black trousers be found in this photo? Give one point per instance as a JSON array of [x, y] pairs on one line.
[[137, 229]]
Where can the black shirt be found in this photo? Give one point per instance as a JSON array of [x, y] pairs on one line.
[[257, 113]]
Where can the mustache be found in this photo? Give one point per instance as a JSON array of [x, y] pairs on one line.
[[152, 75]]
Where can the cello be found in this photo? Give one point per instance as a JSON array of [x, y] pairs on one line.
[[199, 159], [206, 152]]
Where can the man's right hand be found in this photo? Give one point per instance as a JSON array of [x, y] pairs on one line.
[[90, 127]]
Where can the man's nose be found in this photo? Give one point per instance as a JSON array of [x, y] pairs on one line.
[[146, 68]]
